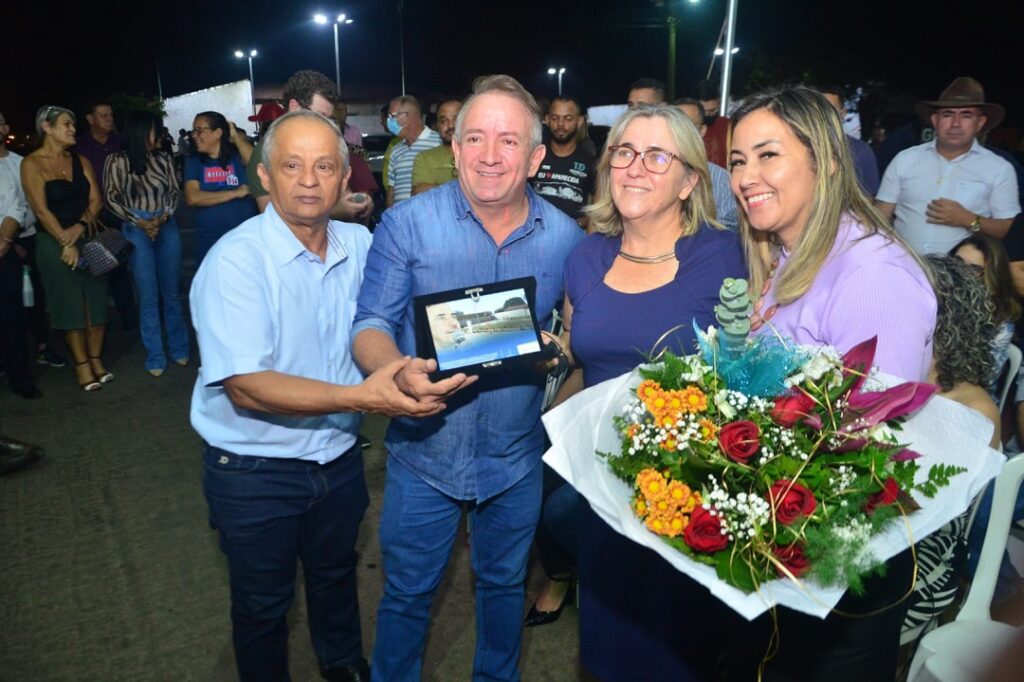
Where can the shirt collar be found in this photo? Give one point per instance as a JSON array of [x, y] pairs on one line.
[[286, 247], [976, 148], [463, 209], [425, 133]]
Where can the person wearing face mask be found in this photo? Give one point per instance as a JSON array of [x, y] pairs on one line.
[[405, 120], [716, 140], [436, 166]]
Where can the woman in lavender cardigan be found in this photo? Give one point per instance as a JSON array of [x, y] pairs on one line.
[[831, 271]]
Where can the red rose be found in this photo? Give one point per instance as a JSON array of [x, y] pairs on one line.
[[791, 501], [886, 496], [704, 532], [790, 409], [740, 440], [793, 558]]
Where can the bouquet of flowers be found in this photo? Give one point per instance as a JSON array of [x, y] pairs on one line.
[[763, 487], [753, 460]]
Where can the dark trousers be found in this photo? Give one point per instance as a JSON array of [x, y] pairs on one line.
[[270, 512], [14, 324], [558, 532], [38, 319], [839, 648]]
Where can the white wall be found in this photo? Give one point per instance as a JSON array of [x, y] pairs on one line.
[[234, 100]]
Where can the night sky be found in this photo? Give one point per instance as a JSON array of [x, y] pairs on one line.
[[66, 56]]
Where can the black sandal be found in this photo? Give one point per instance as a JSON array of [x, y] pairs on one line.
[[537, 617], [88, 386]]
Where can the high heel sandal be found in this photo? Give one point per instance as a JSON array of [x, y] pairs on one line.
[[88, 386], [537, 617], [107, 376]]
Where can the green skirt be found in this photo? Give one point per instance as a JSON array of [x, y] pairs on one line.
[[71, 295]]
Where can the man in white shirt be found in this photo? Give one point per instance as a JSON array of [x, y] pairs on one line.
[[15, 216], [942, 191]]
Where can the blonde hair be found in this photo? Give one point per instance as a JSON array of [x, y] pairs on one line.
[[500, 84], [698, 208], [816, 124]]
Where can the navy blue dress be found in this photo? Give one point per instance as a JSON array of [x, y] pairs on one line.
[[640, 619]]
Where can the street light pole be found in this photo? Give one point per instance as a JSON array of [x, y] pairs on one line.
[[673, 24], [557, 72], [252, 81], [340, 19], [730, 43], [337, 57]]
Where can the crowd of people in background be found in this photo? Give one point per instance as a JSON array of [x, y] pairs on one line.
[[306, 268]]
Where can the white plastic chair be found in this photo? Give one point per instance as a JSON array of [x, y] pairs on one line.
[[1013, 360], [963, 650]]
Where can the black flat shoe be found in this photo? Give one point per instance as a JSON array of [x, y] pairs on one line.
[[356, 672], [537, 617]]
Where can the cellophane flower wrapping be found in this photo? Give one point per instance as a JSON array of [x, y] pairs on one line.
[[942, 432]]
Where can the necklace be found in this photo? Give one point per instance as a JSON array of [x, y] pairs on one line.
[[649, 260]]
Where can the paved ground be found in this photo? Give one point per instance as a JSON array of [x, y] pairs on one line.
[[110, 571]]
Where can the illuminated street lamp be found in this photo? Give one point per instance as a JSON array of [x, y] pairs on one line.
[[252, 81], [720, 51], [557, 72], [323, 21]]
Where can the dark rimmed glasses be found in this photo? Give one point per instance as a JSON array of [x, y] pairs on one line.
[[656, 161]]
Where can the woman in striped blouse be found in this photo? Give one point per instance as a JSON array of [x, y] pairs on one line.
[[142, 191]]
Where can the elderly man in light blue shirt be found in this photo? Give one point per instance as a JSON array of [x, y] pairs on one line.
[[277, 404]]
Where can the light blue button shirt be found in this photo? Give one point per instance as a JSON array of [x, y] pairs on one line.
[[261, 301]]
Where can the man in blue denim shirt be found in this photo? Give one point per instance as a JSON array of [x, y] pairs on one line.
[[277, 404], [485, 449]]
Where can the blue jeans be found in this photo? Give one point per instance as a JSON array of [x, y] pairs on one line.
[[156, 269], [417, 528], [270, 512]]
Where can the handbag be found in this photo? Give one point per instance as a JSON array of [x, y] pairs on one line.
[[104, 251]]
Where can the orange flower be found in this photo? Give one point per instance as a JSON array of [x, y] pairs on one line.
[[656, 524], [631, 430], [678, 492], [693, 399], [652, 485], [677, 524], [640, 507], [708, 430], [648, 389], [669, 444], [692, 502]]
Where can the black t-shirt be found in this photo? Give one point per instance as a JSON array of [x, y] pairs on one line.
[[567, 182]]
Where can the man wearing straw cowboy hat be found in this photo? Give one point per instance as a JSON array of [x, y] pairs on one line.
[[943, 190]]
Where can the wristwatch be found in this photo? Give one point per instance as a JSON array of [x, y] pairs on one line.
[[975, 225]]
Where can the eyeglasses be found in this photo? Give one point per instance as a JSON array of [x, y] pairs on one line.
[[654, 160], [398, 113], [198, 130]]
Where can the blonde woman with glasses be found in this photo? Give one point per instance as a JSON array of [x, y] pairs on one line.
[[651, 269]]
